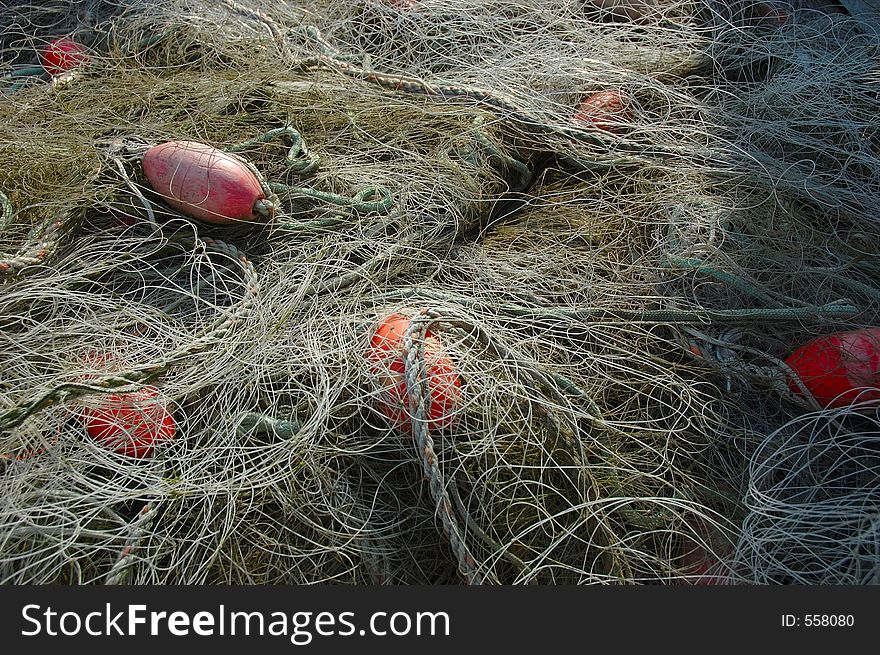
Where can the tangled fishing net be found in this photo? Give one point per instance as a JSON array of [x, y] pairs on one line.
[[609, 306]]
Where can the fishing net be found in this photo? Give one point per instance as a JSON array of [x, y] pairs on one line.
[[605, 303]]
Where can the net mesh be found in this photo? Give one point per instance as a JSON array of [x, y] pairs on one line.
[[614, 296]]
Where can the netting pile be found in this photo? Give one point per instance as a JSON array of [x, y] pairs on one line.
[[616, 304]]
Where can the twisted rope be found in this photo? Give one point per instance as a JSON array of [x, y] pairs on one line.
[[419, 397], [522, 172], [726, 354], [298, 157], [724, 277], [264, 18], [370, 200], [630, 316]]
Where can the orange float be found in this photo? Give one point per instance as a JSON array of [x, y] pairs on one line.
[[387, 363], [603, 110], [839, 369], [204, 182]]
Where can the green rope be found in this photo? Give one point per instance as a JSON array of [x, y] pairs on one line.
[[311, 226], [518, 168], [613, 316], [372, 199], [149, 41], [298, 158], [21, 77], [30, 71], [722, 276]]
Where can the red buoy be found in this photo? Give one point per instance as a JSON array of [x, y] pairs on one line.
[[204, 182], [839, 369], [62, 55], [604, 110], [131, 423], [386, 357]]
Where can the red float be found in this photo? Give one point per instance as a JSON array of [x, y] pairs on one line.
[[131, 424], [386, 357], [204, 182], [839, 369], [604, 110], [63, 54]]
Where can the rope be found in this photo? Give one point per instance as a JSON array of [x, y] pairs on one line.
[[298, 157], [522, 172], [23, 77], [722, 276], [370, 200], [48, 235], [628, 316], [419, 397], [270, 24]]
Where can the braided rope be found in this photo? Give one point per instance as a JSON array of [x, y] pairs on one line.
[[771, 172], [258, 15], [722, 276], [724, 353], [522, 171], [494, 546], [331, 58], [541, 381], [419, 397]]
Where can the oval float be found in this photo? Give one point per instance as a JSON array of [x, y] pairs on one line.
[[444, 383], [604, 110], [203, 182]]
